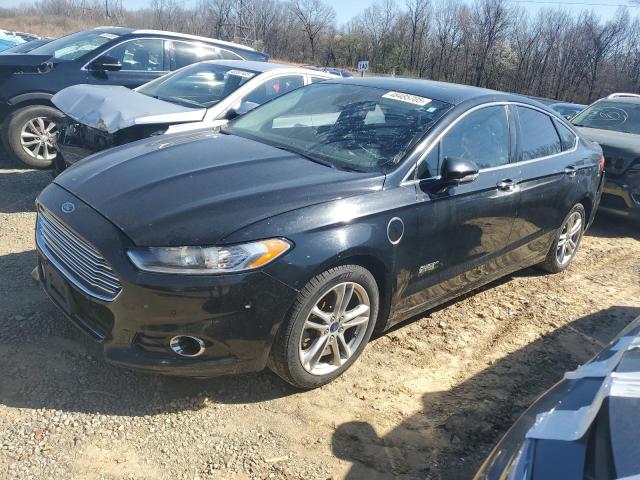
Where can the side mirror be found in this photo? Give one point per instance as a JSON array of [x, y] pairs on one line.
[[244, 107], [456, 171], [106, 63]]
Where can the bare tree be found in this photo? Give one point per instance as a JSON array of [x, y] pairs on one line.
[[315, 18]]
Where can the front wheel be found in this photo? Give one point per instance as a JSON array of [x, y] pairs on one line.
[[328, 327], [565, 245], [30, 135]]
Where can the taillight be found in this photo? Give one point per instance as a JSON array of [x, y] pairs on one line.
[[601, 164]]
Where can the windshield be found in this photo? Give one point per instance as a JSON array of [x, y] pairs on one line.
[[616, 116], [75, 45], [200, 85], [348, 126]]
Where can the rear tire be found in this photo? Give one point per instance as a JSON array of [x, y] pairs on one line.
[[29, 133], [327, 328], [565, 245]]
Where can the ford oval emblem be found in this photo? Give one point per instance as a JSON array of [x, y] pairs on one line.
[[68, 207]]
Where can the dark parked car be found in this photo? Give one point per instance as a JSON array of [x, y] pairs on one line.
[[288, 237], [26, 47], [567, 110], [584, 428], [202, 95], [101, 56], [614, 122]]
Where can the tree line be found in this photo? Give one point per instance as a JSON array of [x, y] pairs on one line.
[[488, 43]]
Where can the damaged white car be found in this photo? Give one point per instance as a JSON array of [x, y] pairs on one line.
[[203, 95]]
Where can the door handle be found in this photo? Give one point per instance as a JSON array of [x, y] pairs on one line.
[[570, 171], [506, 185]]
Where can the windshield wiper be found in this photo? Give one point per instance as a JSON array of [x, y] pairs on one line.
[[305, 155]]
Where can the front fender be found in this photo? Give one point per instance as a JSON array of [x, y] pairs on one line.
[[30, 97]]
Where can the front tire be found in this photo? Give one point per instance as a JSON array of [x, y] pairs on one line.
[[328, 327], [565, 245], [30, 135]]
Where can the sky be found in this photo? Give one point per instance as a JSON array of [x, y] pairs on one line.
[[346, 9]]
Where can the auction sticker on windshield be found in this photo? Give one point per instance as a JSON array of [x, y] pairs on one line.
[[240, 73], [110, 36], [407, 98]]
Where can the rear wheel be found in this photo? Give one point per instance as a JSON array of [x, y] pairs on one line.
[[564, 247], [328, 328], [30, 135]]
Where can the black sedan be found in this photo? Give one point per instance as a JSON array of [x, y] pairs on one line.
[[288, 237]]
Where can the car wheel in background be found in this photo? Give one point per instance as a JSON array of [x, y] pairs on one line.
[[565, 245], [30, 135], [328, 327]]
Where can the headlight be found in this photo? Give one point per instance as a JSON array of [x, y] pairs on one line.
[[208, 260]]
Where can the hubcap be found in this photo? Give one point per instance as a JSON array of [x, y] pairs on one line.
[[335, 328], [37, 138], [569, 238]]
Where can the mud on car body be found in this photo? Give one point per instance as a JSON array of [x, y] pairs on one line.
[[288, 237]]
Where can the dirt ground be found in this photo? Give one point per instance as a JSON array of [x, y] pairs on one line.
[[426, 400]]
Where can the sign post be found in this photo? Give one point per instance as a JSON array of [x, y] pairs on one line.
[[363, 66]]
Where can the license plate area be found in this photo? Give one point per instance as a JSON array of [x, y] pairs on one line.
[[58, 288]]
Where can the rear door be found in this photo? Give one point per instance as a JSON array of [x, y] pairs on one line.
[[465, 230], [142, 60], [548, 168], [182, 53]]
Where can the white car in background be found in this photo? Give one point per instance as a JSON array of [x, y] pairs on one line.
[[202, 95]]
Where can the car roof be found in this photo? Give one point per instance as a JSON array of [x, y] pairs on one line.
[[567, 104], [632, 100], [165, 33], [452, 93], [186, 36], [262, 67]]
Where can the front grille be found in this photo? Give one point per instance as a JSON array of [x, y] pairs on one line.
[[82, 263]]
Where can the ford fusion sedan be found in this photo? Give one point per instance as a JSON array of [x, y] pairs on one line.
[[100, 56], [614, 122], [287, 238], [203, 95]]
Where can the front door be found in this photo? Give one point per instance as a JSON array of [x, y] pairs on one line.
[[142, 60], [465, 229]]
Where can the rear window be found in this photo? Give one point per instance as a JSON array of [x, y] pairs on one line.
[[538, 136], [567, 137], [609, 115]]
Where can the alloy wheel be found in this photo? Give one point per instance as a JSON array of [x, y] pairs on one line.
[[37, 138], [569, 238], [334, 328]]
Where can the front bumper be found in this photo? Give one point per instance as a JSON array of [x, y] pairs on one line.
[[236, 315], [621, 196]]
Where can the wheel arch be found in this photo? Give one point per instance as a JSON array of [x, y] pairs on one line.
[[587, 202], [380, 272], [29, 99]]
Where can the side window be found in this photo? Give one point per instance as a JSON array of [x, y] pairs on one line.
[[481, 137], [567, 137], [229, 55], [185, 53], [145, 55], [315, 79], [430, 166], [538, 136], [273, 88]]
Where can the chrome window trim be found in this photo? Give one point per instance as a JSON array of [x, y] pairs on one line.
[[407, 181], [205, 45], [187, 37], [84, 67]]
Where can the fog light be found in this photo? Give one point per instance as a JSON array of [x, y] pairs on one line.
[[187, 346]]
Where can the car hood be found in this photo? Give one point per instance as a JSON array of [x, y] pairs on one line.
[[197, 188], [112, 108], [620, 149]]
